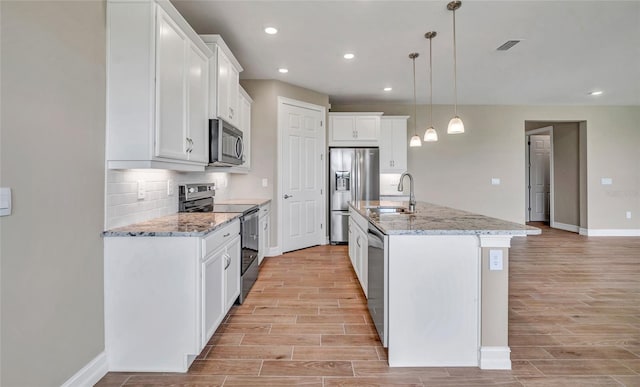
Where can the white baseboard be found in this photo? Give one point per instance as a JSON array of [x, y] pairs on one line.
[[91, 373], [495, 358], [273, 252], [583, 231], [566, 227], [610, 232]]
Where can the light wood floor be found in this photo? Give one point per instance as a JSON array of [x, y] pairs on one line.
[[574, 321]]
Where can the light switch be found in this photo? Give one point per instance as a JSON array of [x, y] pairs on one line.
[[495, 260], [606, 181], [5, 201], [495, 181]]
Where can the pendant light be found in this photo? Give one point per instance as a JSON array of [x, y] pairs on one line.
[[455, 125], [430, 135], [415, 140]]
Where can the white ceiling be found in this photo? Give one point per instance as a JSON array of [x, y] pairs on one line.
[[568, 48]]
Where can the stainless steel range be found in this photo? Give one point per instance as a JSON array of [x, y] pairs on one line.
[[199, 198]]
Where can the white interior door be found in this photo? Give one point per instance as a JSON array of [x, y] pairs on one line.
[[302, 146], [539, 176]]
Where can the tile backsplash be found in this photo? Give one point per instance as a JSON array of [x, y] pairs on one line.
[[123, 206], [389, 184]]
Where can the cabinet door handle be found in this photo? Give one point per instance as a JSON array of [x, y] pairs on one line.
[[358, 242], [265, 226], [227, 259], [226, 235]]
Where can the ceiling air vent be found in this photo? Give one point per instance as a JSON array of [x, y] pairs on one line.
[[507, 45]]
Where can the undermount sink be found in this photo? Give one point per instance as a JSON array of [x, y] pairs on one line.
[[388, 210]]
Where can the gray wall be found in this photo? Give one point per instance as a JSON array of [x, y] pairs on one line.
[[52, 156], [457, 170], [264, 141]]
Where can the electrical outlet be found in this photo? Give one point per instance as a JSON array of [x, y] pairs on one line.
[[495, 181], [265, 182], [606, 181], [169, 187], [628, 214], [495, 260], [141, 190]]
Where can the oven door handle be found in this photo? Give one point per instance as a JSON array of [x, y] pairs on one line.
[[239, 148]]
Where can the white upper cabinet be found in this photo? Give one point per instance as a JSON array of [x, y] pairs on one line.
[[244, 124], [171, 134], [198, 100], [157, 88], [354, 129], [393, 144], [224, 83]]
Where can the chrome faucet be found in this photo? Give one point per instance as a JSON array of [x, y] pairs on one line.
[[412, 197]]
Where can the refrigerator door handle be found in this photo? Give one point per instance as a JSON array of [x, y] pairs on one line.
[[354, 176]]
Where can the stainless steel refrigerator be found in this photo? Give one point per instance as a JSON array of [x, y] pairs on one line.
[[354, 174]]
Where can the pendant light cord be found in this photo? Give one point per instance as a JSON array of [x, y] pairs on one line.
[[430, 83], [455, 75], [415, 111]]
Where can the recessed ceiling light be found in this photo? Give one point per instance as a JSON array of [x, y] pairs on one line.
[[271, 30], [388, 89], [349, 56], [283, 70], [595, 92]]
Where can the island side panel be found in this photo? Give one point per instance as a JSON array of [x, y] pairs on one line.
[[495, 352], [434, 290]]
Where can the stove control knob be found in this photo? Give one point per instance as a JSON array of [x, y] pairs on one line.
[[192, 190]]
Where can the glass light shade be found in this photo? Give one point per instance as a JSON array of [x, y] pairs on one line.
[[430, 135], [415, 141], [455, 126]]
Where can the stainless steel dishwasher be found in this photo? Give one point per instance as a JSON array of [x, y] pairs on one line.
[[377, 281]]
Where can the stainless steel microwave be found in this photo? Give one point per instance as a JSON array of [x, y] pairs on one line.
[[225, 144]]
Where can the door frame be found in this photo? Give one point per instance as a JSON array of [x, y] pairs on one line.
[[546, 130], [322, 209]]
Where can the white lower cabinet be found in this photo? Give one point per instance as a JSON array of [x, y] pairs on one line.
[[359, 247], [166, 296], [263, 231], [232, 273], [213, 293]]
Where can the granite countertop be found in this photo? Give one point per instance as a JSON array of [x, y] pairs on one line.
[[182, 224], [431, 219], [257, 202]]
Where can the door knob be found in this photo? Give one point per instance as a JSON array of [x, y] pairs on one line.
[[287, 196]]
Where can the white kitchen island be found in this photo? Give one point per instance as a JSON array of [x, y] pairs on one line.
[[444, 305]]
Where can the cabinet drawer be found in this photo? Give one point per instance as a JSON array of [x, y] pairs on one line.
[[359, 220], [264, 210], [220, 237]]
